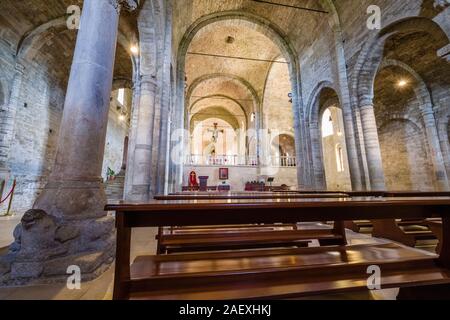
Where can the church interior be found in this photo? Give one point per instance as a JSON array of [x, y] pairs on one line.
[[224, 149]]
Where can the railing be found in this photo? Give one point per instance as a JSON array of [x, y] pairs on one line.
[[225, 160], [284, 162], [236, 160]]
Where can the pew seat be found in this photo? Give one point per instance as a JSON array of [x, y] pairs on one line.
[[280, 273], [247, 238]]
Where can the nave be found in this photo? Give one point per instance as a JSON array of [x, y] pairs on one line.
[[285, 149]]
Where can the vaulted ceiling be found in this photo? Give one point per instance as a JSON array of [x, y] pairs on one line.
[[232, 56], [54, 50]]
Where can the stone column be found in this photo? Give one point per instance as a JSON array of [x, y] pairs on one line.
[[141, 168], [8, 120], [372, 146], [435, 149], [316, 151], [68, 225], [125, 155]]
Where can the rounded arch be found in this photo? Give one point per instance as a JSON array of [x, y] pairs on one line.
[[371, 56], [313, 108], [262, 25], [421, 90], [240, 80], [219, 113], [222, 97], [400, 117], [31, 42], [274, 33]]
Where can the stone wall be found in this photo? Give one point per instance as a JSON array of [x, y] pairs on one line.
[[36, 129], [405, 162]]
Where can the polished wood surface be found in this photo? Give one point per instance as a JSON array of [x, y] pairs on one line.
[[401, 266], [222, 240], [247, 195], [246, 240], [281, 273], [409, 231]]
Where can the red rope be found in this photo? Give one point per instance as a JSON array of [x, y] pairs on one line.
[[10, 192]]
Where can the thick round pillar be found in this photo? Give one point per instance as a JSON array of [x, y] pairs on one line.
[[435, 149], [141, 168], [68, 225], [372, 146]]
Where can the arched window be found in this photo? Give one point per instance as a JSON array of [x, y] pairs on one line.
[[327, 124], [121, 96], [340, 158]]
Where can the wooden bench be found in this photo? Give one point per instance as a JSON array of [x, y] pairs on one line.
[[407, 231], [175, 239], [278, 273]]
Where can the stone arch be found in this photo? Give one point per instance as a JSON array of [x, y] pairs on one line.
[[371, 55], [274, 33], [312, 107], [224, 97], [244, 83], [31, 42], [315, 110], [277, 146], [225, 116], [400, 117], [421, 90]]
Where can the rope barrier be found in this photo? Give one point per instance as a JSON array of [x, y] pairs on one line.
[[10, 192], [10, 196]]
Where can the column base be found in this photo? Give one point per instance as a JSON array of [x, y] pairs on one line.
[[45, 247], [67, 227]]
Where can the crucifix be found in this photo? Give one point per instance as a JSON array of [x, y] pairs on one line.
[[215, 133]]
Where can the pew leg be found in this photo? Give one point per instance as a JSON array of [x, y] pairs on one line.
[[444, 256], [122, 268], [160, 249], [339, 229], [432, 292]]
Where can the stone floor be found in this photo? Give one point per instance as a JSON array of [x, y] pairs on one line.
[[143, 242]]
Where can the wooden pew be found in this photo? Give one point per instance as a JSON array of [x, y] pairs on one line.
[[174, 240], [407, 231], [278, 273]]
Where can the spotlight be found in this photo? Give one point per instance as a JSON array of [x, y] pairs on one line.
[[134, 49], [402, 83]]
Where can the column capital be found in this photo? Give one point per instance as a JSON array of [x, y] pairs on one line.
[[366, 107], [129, 5], [365, 100]]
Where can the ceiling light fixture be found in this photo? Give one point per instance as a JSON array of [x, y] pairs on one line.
[[402, 83], [134, 49]]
